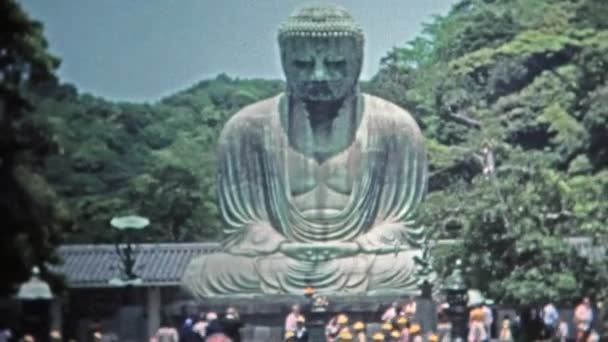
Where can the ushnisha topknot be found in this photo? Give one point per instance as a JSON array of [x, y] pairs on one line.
[[320, 20]]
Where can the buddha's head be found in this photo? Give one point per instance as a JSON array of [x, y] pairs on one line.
[[321, 52]]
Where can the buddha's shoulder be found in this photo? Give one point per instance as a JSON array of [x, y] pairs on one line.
[[255, 114], [387, 114]]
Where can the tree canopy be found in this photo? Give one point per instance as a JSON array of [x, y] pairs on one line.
[[155, 160], [526, 80], [32, 218]]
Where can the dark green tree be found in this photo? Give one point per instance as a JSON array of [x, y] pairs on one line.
[[528, 79], [31, 217], [515, 226]]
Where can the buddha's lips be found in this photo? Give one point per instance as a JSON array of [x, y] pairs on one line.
[[324, 89]]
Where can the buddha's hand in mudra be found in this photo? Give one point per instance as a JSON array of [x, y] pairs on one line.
[[319, 251], [384, 239]]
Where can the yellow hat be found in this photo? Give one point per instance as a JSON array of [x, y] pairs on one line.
[[395, 334], [301, 319], [414, 329], [345, 335], [433, 338], [359, 326], [402, 320], [342, 319], [289, 335], [387, 326], [378, 337]]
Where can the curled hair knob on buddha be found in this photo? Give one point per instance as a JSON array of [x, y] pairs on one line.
[[321, 21]]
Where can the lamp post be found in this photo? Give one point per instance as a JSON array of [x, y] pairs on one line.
[[127, 253], [35, 297], [456, 292], [125, 249]]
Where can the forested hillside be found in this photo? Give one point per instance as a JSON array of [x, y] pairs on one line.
[[527, 81], [155, 160], [518, 87]]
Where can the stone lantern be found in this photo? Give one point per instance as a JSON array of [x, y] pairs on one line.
[[35, 297], [35, 288], [457, 297]]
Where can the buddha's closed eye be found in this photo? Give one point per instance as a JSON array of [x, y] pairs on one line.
[[304, 64]]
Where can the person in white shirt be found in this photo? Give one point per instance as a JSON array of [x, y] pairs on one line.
[[583, 315], [550, 319], [390, 313], [291, 321], [561, 334], [488, 318], [409, 309]]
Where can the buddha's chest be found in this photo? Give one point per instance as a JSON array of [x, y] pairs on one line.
[[334, 176]]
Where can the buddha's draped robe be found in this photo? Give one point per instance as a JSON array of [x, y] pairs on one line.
[[386, 165]]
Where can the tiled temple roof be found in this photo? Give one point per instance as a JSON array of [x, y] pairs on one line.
[[94, 265]]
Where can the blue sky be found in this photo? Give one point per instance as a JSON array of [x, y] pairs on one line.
[[141, 50]]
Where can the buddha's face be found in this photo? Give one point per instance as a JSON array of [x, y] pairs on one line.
[[321, 68]]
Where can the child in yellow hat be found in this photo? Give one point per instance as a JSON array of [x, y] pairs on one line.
[[290, 336], [414, 332], [395, 336], [403, 326], [359, 329], [345, 336], [301, 332], [359, 326], [378, 337], [401, 321], [414, 328], [386, 327], [342, 319]]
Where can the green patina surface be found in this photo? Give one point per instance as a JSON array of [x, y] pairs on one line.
[[318, 185]]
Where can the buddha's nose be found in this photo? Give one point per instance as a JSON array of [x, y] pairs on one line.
[[320, 72]]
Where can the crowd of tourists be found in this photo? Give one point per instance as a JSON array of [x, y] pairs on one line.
[[536, 324], [543, 323], [398, 323], [208, 326]]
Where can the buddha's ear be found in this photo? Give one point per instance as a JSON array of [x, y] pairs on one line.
[[284, 46]]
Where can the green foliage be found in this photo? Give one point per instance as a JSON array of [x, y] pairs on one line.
[[532, 44], [32, 217], [528, 79], [595, 120], [567, 131], [515, 226], [156, 160]]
